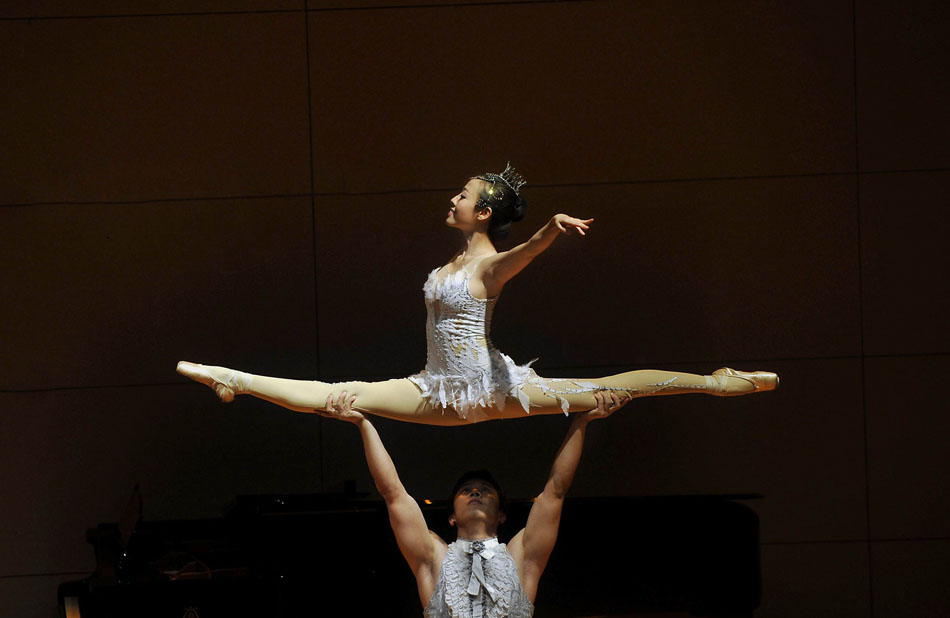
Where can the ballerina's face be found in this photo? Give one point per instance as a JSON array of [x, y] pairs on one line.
[[464, 213]]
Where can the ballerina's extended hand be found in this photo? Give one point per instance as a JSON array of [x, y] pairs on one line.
[[568, 224]]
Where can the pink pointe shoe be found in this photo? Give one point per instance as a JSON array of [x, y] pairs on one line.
[[200, 373], [760, 380]]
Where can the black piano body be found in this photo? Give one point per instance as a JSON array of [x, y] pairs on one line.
[[334, 555]]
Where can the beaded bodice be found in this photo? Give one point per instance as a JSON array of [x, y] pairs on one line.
[[457, 325], [464, 371]]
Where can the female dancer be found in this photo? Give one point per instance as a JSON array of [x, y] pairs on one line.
[[466, 378]]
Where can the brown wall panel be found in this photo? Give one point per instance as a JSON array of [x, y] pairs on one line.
[[903, 82], [68, 8], [669, 272], [801, 447], [117, 294], [810, 579], [911, 579], [904, 231], [143, 108], [908, 462], [74, 8], [588, 91], [693, 271], [362, 4], [373, 255], [69, 460]]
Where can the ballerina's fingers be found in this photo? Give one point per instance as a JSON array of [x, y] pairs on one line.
[[579, 225]]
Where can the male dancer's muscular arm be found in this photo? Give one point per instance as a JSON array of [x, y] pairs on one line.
[[416, 543], [533, 545]]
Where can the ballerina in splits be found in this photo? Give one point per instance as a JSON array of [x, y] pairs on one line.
[[466, 379]]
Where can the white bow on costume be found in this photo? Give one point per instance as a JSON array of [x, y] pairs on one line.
[[480, 550]]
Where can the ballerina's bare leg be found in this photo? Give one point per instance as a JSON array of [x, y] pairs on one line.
[[401, 399]]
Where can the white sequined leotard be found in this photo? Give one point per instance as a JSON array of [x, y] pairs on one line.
[[464, 371], [479, 579]]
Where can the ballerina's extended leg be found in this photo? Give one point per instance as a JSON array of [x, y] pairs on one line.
[[727, 382], [396, 399], [556, 395], [225, 382]]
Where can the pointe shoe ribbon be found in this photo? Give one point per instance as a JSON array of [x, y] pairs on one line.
[[199, 373], [760, 380]]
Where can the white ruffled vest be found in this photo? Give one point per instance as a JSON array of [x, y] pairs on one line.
[[479, 579]]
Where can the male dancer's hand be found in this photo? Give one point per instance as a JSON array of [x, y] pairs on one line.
[[608, 402], [342, 409]]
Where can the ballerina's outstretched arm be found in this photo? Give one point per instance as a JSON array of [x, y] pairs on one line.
[[496, 270]]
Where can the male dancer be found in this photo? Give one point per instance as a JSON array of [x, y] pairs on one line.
[[476, 575]]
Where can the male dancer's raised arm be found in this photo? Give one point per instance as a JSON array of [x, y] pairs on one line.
[[532, 546], [476, 509], [422, 549]]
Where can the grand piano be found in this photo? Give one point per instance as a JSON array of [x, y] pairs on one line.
[[334, 555]]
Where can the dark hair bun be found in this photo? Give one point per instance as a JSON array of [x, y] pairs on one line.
[[509, 210], [518, 208]]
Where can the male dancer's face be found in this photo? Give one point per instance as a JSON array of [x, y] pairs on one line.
[[477, 501]]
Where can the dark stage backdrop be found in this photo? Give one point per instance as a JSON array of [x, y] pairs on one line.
[[261, 184]]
